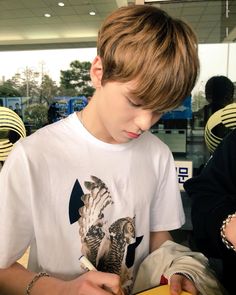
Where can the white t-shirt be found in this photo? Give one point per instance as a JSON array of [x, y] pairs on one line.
[[128, 190]]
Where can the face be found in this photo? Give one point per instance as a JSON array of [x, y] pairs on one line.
[[121, 117]]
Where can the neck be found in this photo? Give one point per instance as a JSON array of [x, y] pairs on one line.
[[80, 115], [93, 126]]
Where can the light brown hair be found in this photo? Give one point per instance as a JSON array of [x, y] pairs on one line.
[[143, 43]]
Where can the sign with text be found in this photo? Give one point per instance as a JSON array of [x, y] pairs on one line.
[[184, 170]]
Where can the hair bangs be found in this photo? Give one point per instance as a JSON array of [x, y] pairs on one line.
[[158, 52]]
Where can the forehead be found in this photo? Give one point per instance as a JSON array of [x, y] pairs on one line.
[[124, 87], [130, 86], [131, 89]]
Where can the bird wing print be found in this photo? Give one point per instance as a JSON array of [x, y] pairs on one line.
[[103, 244], [92, 227]]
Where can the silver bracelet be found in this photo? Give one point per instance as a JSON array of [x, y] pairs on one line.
[[222, 232], [35, 278]]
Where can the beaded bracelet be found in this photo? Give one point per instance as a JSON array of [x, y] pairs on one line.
[[35, 278], [222, 232]]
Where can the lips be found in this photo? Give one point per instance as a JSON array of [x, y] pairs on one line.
[[133, 135]]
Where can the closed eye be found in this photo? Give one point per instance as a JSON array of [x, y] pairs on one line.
[[133, 103]]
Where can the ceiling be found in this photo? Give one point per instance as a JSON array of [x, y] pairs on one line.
[[24, 26]]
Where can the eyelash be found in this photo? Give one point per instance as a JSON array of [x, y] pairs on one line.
[[139, 106], [134, 104]]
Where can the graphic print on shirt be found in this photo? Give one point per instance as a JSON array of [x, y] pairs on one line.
[[109, 246]]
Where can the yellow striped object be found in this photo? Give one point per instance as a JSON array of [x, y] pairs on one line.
[[220, 124], [9, 120]]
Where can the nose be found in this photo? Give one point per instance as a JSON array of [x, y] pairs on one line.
[[145, 119]]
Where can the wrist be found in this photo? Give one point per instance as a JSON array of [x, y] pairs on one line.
[[225, 231], [47, 285], [34, 281]]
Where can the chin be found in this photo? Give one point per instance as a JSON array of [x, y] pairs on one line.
[[125, 140], [119, 140]]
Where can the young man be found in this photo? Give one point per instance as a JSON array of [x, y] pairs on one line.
[[98, 183]]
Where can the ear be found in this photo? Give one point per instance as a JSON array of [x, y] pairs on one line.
[[96, 72]]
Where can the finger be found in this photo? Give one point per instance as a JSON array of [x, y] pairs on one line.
[[108, 281], [189, 286], [180, 283], [113, 289], [175, 285], [89, 287], [191, 289]]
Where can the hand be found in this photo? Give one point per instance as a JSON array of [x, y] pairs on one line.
[[179, 283], [230, 231], [93, 282]]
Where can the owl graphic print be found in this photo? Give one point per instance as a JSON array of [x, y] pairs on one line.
[[110, 247]]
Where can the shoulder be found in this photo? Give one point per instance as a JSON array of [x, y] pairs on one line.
[[152, 139], [155, 147], [231, 137], [53, 130], [227, 144], [48, 139]]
